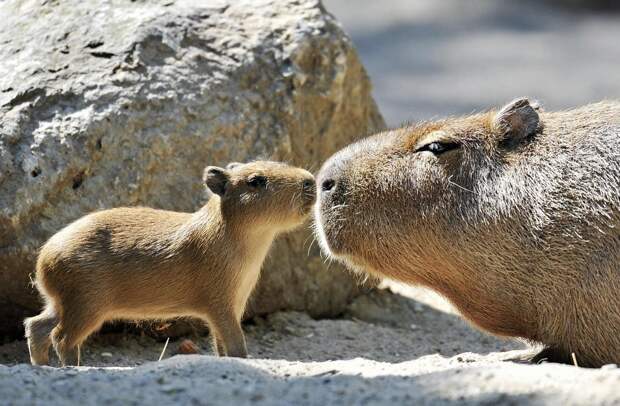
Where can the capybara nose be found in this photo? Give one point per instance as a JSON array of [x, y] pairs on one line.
[[309, 190], [308, 185], [328, 184]]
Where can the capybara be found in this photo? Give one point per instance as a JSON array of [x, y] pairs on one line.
[[141, 263], [513, 215]]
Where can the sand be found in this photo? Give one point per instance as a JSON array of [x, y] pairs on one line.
[[387, 348]]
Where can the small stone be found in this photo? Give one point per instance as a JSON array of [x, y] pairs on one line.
[[106, 354], [188, 347]]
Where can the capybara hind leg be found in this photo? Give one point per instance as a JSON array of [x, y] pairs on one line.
[[38, 332], [65, 346], [226, 327], [70, 333]]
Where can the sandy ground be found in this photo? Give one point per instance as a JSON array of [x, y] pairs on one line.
[[387, 348]]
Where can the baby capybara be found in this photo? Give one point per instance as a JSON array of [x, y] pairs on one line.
[[141, 263]]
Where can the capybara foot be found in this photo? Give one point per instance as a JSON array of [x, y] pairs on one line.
[[550, 354], [38, 330]]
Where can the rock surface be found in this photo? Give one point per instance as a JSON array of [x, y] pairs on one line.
[[125, 103]]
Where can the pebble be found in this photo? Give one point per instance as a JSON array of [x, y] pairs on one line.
[[188, 347]]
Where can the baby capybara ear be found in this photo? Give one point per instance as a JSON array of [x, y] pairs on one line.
[[516, 121], [216, 179]]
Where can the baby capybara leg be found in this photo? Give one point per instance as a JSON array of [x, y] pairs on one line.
[[218, 344], [74, 328], [38, 332], [229, 335]]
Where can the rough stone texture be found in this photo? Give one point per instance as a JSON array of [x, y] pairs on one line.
[[125, 103]]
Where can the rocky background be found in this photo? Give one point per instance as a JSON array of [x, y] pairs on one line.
[[429, 59], [119, 103]]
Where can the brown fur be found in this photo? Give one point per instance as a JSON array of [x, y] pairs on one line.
[[141, 263], [518, 225]]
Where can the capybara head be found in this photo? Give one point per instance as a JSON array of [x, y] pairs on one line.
[[513, 215], [398, 201], [263, 192]]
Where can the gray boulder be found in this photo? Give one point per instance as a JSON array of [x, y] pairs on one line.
[[116, 103]]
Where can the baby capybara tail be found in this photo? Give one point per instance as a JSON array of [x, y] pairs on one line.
[[38, 332]]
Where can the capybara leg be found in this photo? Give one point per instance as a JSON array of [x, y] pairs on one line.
[[229, 329], [65, 346], [234, 340], [218, 346], [552, 354], [38, 332], [70, 333]]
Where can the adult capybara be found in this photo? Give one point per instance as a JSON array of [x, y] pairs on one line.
[[141, 263], [513, 215]]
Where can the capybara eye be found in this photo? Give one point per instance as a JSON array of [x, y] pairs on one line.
[[257, 181], [437, 147]]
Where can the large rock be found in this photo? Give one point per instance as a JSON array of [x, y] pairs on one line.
[[124, 103]]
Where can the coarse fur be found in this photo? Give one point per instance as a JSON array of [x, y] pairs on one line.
[[141, 263], [512, 215]]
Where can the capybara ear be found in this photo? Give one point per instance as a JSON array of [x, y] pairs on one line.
[[233, 165], [516, 121], [216, 179]]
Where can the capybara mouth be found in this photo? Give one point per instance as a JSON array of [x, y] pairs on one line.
[[327, 237], [306, 208], [309, 199]]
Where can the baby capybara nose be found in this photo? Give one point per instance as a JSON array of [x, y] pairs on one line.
[[308, 185]]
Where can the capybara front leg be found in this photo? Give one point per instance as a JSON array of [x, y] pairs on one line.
[[218, 346], [227, 328]]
